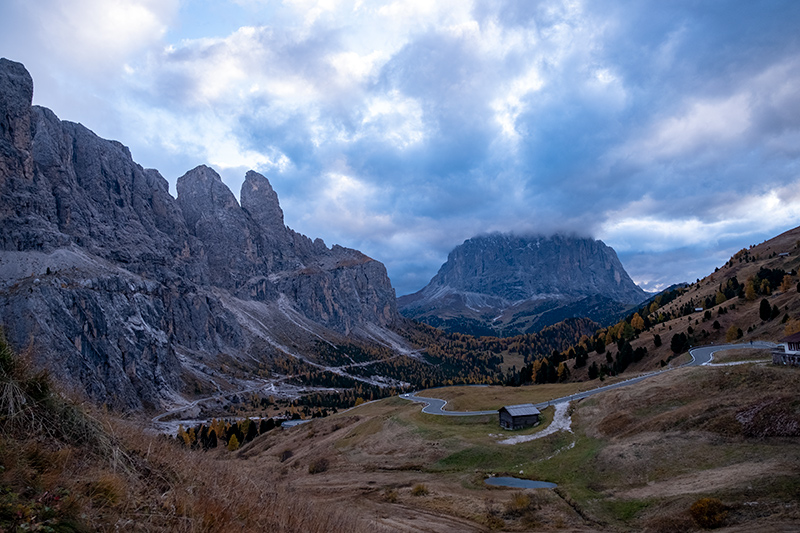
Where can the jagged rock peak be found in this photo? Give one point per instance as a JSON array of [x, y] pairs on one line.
[[261, 201], [16, 86], [16, 95], [201, 191], [125, 290]]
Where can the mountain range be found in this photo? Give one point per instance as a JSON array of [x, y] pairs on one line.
[[135, 296], [145, 301]]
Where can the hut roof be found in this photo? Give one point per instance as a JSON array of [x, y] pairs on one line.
[[792, 338], [522, 409]]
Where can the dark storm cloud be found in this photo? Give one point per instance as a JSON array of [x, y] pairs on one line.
[[671, 130]]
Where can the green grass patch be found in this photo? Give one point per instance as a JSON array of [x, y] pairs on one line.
[[572, 468], [479, 429], [485, 458], [625, 510], [780, 487]]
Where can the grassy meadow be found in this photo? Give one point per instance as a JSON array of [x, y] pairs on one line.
[[637, 457]]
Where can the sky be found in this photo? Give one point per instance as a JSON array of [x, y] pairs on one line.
[[669, 130]]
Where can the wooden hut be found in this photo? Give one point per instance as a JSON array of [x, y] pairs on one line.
[[519, 416]]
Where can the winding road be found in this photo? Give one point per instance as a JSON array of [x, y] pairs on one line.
[[701, 356]]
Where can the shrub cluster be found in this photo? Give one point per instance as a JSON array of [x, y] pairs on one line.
[[709, 513], [419, 490]]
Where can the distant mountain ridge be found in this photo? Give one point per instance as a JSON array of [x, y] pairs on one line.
[[504, 284], [137, 297]]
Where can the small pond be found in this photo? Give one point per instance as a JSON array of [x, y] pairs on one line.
[[516, 483]]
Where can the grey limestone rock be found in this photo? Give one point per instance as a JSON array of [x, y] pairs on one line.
[[228, 235], [519, 268], [515, 284], [261, 202], [16, 86]]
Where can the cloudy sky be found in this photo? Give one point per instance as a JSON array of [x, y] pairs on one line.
[[670, 130]]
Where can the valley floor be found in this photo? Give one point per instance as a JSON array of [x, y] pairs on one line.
[[637, 458]]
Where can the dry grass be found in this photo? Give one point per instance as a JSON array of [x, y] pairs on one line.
[[733, 356], [471, 398], [686, 434], [156, 485], [638, 458], [419, 490], [66, 469], [202, 492]]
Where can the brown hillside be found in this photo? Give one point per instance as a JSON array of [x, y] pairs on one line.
[[635, 458], [781, 252]]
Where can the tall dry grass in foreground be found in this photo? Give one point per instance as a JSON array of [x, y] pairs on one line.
[[69, 468], [194, 491]]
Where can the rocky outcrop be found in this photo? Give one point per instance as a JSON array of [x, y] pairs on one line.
[[134, 294], [15, 122], [508, 284], [249, 252]]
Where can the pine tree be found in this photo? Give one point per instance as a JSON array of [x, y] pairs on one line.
[[251, 432], [233, 443], [764, 310], [679, 343], [593, 371], [600, 345]]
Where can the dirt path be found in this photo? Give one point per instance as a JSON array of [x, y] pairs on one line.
[[706, 480], [562, 421]]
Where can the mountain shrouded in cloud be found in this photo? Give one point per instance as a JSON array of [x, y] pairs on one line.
[[502, 284], [400, 127]]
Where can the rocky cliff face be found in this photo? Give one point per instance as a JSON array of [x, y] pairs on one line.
[[134, 295], [507, 284]]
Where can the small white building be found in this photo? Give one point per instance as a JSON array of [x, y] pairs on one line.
[[791, 344], [789, 352]]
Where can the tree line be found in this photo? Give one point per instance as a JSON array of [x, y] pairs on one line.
[[229, 433]]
